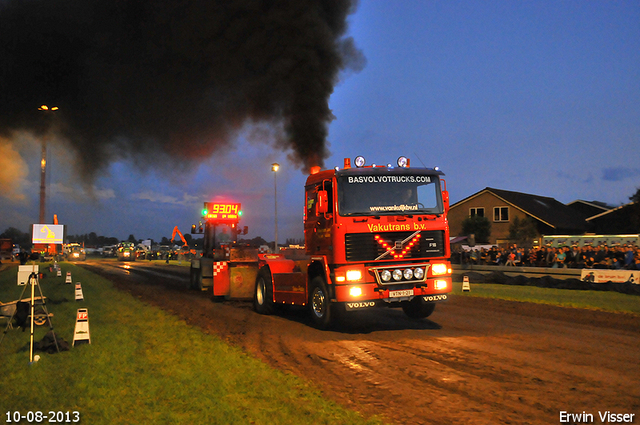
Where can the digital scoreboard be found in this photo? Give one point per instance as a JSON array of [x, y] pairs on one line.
[[222, 212]]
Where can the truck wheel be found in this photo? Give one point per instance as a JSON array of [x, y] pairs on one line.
[[417, 308], [320, 304], [263, 294]]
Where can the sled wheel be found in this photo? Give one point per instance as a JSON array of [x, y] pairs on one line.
[[263, 294]]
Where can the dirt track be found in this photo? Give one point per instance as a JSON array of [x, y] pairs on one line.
[[477, 361]]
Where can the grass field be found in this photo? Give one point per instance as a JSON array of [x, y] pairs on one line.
[[595, 300], [144, 366]]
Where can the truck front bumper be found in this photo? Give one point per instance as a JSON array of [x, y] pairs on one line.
[[432, 290]]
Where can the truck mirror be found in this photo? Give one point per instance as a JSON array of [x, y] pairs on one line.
[[322, 205], [445, 200]]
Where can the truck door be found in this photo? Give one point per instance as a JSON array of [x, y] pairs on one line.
[[317, 227]]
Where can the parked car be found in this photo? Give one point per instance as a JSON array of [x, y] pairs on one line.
[[109, 251]]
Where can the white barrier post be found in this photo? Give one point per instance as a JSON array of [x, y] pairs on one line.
[[81, 333], [465, 284]]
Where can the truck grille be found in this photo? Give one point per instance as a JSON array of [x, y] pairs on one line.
[[364, 247]]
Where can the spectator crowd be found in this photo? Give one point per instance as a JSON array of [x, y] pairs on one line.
[[622, 257]]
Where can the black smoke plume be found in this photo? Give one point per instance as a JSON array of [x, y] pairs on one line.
[[152, 78]]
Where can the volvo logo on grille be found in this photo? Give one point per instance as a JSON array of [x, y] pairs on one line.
[[400, 248]]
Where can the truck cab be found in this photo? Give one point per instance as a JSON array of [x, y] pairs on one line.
[[375, 236]]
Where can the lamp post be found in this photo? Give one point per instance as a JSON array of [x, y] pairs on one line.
[[43, 174], [43, 168], [274, 167]]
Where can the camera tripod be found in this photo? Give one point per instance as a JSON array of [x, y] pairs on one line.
[[33, 282]]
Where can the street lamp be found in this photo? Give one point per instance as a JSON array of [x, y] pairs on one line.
[[274, 167], [46, 108], [43, 167]]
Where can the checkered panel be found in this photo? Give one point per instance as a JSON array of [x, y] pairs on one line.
[[219, 267]]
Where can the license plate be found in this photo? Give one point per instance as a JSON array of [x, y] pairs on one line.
[[401, 293]]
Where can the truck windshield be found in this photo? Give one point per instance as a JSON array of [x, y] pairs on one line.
[[389, 195]]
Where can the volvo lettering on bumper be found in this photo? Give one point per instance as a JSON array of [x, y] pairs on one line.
[[359, 305], [433, 298]]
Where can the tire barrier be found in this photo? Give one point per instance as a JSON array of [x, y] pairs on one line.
[[499, 277]]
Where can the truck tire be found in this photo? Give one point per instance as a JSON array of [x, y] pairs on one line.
[[320, 304], [263, 293], [417, 308]]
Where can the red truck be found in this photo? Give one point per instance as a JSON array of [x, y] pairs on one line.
[[6, 249], [375, 236]]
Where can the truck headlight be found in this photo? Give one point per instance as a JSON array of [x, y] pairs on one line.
[[440, 284], [355, 291], [397, 274], [385, 275], [439, 269], [408, 274], [354, 275], [418, 273]]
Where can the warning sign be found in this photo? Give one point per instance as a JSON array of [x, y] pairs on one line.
[[81, 333], [79, 296], [465, 284]]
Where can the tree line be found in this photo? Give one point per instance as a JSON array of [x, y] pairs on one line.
[[94, 240]]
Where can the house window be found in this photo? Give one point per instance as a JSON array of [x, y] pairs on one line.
[[500, 213], [476, 211]]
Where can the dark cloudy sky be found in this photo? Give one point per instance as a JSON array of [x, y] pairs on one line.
[[164, 105]]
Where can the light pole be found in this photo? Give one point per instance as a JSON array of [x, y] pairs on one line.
[[274, 167], [43, 168], [43, 175]]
